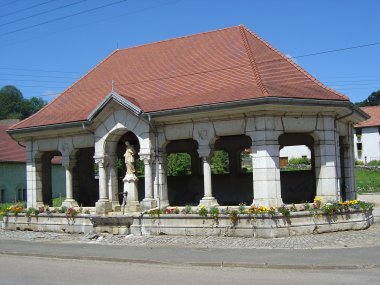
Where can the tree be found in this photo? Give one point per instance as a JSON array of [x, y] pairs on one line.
[[372, 100], [220, 162], [14, 106], [178, 164]]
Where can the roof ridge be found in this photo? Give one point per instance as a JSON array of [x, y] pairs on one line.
[[180, 37], [66, 90], [252, 61], [295, 65]]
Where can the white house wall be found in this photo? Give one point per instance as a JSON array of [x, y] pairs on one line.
[[370, 140]]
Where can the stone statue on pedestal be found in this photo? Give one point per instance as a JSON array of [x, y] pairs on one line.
[[130, 181], [129, 158]]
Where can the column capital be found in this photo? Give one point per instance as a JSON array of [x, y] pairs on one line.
[[146, 158], [204, 151], [68, 162], [101, 160]]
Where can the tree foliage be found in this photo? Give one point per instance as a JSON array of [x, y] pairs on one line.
[[14, 106], [220, 162], [372, 100], [178, 164]]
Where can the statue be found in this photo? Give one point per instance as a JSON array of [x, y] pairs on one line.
[[129, 158]]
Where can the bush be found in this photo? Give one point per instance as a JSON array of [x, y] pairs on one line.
[[374, 163], [300, 161], [359, 162]]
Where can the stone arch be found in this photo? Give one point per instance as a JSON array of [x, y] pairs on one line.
[[118, 123], [295, 184], [234, 187], [185, 189]]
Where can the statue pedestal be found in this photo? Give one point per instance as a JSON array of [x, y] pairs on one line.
[[130, 186]]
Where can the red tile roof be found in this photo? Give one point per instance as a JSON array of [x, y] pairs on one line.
[[226, 65], [10, 150], [374, 120]]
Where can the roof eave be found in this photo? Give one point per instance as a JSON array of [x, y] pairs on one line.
[[259, 101]]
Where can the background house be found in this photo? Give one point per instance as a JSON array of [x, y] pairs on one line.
[[13, 169], [367, 136]]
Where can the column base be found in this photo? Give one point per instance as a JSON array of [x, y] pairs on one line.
[[148, 203], [164, 203], [103, 207], [115, 206], [39, 205], [268, 202], [327, 198], [208, 202], [132, 206], [69, 203]]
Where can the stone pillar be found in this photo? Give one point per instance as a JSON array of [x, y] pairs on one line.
[[266, 173], [264, 132], [33, 177], [162, 182], [326, 166], [113, 184], [103, 205], [349, 165], [69, 202], [148, 202], [208, 200]]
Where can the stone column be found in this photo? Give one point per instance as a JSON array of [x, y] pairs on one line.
[[103, 205], [326, 166], [33, 177], [350, 165], [69, 202], [161, 185], [264, 132], [266, 173], [148, 202], [113, 184], [208, 200]]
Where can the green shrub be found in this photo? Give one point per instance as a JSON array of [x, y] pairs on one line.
[[300, 161], [374, 163]]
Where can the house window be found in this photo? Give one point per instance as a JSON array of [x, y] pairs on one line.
[[2, 196], [358, 132], [220, 162], [359, 148]]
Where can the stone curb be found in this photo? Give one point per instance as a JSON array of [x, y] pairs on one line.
[[202, 264]]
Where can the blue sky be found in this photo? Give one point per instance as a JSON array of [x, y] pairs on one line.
[[44, 60]]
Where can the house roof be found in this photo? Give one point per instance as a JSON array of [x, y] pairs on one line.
[[374, 120], [227, 65], [10, 150]]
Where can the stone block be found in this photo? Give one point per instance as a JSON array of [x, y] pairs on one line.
[[120, 116], [48, 144], [229, 128], [101, 132], [178, 132], [204, 133], [83, 141], [265, 174], [300, 124], [141, 128]]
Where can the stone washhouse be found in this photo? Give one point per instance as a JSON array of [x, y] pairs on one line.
[[220, 90]]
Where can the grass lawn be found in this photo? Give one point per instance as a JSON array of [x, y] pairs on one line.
[[367, 181]]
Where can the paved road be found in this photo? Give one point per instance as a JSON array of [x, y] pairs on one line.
[[338, 258], [16, 270]]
